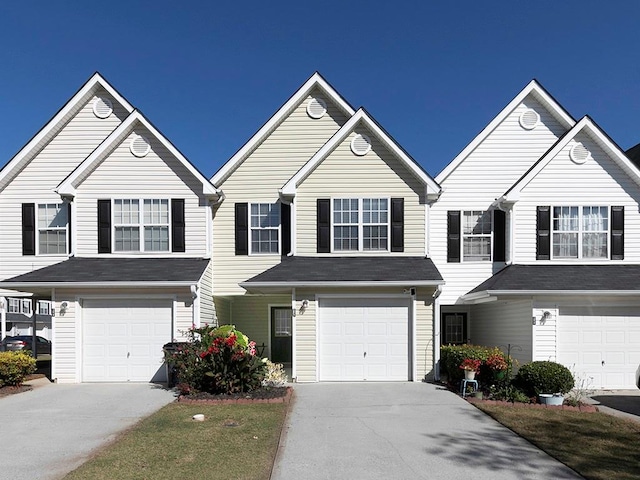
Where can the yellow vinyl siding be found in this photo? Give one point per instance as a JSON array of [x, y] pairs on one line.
[[424, 335], [205, 294], [306, 341], [345, 175], [258, 179]]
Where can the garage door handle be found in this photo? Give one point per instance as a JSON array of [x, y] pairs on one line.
[[365, 354], [128, 354], [603, 363]]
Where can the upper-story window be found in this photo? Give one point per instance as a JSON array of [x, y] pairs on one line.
[[19, 305], [476, 236], [360, 224], [52, 228], [580, 232], [265, 228], [45, 307], [141, 225]]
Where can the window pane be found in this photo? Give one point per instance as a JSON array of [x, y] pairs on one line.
[[52, 215], [52, 241], [345, 238], [594, 245], [477, 249], [127, 239], [565, 245], [374, 237], [156, 239], [282, 320]]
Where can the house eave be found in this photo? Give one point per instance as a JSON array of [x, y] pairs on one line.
[[368, 284], [487, 295]]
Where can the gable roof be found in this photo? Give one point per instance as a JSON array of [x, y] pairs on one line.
[[68, 186], [315, 81], [53, 126], [587, 125], [559, 280], [634, 155], [348, 271], [532, 88], [361, 117]]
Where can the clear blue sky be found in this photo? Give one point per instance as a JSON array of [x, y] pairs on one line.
[[209, 74]]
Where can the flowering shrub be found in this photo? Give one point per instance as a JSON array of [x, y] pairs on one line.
[[274, 376], [496, 361], [471, 364], [217, 360], [15, 366]]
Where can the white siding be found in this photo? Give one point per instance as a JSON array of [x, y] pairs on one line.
[[598, 182], [500, 324], [36, 182], [545, 333], [375, 175], [486, 174], [183, 319], [157, 175], [258, 179]]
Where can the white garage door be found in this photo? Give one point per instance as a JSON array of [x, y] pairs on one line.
[[363, 339], [601, 344], [122, 339]]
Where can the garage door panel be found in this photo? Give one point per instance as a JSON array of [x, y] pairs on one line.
[[377, 326], [601, 345]]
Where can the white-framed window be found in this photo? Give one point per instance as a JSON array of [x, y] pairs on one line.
[[52, 228], [19, 305], [360, 224], [265, 228], [476, 236], [141, 225], [44, 307], [580, 232]]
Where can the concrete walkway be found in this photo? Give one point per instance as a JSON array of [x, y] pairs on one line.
[[50, 431], [401, 431]]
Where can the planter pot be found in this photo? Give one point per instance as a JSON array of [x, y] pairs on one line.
[[551, 399], [478, 395], [499, 374], [469, 375]]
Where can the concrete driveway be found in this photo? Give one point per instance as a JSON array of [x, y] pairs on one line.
[[401, 431], [47, 432], [621, 403]]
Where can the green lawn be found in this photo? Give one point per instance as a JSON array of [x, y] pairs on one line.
[[234, 442], [596, 445]]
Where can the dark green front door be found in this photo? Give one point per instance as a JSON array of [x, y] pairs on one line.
[[281, 331]]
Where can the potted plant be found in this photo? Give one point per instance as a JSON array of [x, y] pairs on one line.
[[470, 366], [498, 365]]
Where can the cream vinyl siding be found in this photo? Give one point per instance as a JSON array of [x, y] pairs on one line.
[[499, 324], [223, 310], [424, 335], [258, 179], [306, 337], [157, 175], [37, 181], [67, 341], [251, 316], [597, 182], [205, 295], [486, 174], [378, 174]]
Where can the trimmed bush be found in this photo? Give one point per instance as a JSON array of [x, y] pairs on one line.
[[452, 356], [217, 360], [14, 367], [544, 377]]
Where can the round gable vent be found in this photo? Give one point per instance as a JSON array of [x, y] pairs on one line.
[[139, 146], [102, 107], [579, 153], [360, 144], [316, 108], [529, 119]]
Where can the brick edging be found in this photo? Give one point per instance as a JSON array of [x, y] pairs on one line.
[[504, 403], [235, 401]]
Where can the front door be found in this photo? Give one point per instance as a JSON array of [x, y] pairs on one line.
[[454, 328], [281, 332]]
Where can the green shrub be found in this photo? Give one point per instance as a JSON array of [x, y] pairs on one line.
[[15, 366], [217, 360], [452, 356], [544, 377], [508, 393]]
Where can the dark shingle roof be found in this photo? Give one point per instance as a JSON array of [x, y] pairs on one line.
[[121, 270], [634, 155], [305, 270], [548, 278]]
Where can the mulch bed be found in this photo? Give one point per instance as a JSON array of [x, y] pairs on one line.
[[11, 390], [261, 395], [580, 408]]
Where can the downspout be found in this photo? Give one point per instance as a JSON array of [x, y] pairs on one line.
[[195, 306], [436, 332]]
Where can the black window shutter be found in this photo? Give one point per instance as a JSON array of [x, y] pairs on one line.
[[242, 228], [453, 236], [177, 225], [323, 222], [28, 229], [499, 236], [285, 221], [543, 233], [104, 226], [397, 224], [69, 227], [617, 233]]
